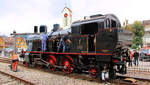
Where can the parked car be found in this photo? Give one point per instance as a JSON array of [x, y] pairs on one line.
[[145, 54]]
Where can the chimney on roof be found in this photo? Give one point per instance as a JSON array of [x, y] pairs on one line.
[[35, 29]]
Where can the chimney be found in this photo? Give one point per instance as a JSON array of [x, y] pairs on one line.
[[35, 29], [43, 29]]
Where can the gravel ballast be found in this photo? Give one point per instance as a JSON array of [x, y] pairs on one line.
[[45, 78]]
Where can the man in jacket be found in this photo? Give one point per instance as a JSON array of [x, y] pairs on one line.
[[14, 61], [136, 58], [64, 43]]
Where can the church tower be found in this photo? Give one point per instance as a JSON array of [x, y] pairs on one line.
[[67, 15]]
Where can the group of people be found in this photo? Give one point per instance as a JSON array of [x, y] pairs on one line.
[[63, 42], [133, 58], [62, 47]]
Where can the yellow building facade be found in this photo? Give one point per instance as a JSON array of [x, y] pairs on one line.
[[21, 43], [2, 43]]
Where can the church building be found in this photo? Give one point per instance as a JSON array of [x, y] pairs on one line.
[[67, 16]]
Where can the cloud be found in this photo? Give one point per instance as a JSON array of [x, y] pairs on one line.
[[22, 15], [90, 7]]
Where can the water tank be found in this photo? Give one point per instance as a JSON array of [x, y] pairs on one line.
[[43, 28], [56, 27], [35, 29]]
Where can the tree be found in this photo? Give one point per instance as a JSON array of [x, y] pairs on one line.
[[138, 33]]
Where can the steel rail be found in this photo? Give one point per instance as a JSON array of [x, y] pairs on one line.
[[20, 79]]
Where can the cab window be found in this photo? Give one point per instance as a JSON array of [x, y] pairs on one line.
[[113, 23], [107, 23], [89, 28]]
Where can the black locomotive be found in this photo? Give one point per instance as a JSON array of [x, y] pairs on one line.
[[94, 44]]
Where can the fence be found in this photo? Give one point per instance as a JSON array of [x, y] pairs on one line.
[[140, 71]]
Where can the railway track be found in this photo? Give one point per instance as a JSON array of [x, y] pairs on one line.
[[119, 81], [7, 60], [8, 79]]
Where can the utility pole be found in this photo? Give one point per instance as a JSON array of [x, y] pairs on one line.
[[14, 33]]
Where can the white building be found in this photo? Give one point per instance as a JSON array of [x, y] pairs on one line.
[[67, 16], [146, 38]]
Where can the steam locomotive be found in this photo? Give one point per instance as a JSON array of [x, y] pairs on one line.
[[94, 45]]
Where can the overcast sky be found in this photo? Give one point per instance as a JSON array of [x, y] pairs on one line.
[[22, 15]]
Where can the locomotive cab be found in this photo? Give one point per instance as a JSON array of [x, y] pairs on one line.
[[97, 34]]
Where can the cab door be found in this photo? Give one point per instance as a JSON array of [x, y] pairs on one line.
[[88, 31]]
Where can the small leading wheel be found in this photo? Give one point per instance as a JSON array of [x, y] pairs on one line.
[[93, 72], [39, 66], [26, 64], [52, 64], [124, 69], [67, 66], [112, 74]]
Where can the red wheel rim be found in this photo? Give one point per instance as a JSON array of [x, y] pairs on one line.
[[26, 64], [93, 72], [67, 66], [39, 66], [52, 64]]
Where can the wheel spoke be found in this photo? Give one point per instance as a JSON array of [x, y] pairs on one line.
[[93, 72], [39, 66], [52, 64], [68, 67], [26, 64]]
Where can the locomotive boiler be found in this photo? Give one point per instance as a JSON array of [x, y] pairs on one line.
[[94, 44]]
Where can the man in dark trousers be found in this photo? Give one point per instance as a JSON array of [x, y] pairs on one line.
[[136, 58], [64, 43]]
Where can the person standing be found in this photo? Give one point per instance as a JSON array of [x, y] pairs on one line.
[[64, 43], [14, 61], [44, 38], [130, 58], [105, 75], [136, 58]]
